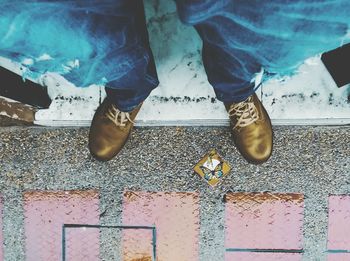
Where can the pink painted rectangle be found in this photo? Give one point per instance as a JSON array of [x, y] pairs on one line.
[[176, 217], [250, 256], [339, 222], [264, 221], [1, 229], [46, 212], [339, 257]]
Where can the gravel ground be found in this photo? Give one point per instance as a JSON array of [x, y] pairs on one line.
[[310, 160]]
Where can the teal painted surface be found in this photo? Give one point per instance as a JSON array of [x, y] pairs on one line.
[[87, 41]]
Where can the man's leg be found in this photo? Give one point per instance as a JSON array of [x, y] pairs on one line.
[[240, 37], [132, 88], [231, 67], [113, 120]]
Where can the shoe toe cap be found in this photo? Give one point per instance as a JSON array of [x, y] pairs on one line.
[[259, 153], [101, 155], [102, 149], [256, 147]]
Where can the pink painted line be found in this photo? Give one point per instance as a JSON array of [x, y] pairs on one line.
[[1, 229], [339, 222], [46, 212], [264, 221], [249, 256], [338, 257], [176, 217]]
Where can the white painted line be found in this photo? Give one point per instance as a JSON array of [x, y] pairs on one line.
[[202, 123]]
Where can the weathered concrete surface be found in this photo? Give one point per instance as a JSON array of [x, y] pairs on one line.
[[6, 121], [17, 110], [310, 160]]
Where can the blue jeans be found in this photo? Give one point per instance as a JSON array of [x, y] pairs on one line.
[[106, 41], [229, 73], [239, 39]]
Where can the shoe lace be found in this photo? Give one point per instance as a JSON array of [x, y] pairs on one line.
[[119, 118], [245, 112]]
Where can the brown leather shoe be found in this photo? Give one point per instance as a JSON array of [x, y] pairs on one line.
[[251, 129], [109, 131]]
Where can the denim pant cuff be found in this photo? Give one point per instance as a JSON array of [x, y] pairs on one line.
[[227, 99], [244, 93], [125, 104]]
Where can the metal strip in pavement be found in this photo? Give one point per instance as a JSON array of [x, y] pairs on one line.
[[253, 256], [67, 226], [264, 250]]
